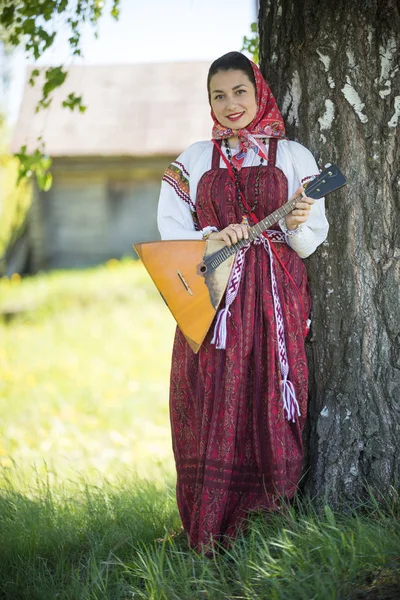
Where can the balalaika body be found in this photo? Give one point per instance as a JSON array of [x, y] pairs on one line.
[[192, 275]]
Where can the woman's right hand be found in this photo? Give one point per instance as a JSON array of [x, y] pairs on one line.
[[231, 234]]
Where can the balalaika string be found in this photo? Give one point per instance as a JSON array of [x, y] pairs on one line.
[[214, 260]]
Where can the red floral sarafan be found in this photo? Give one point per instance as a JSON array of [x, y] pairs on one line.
[[267, 123]]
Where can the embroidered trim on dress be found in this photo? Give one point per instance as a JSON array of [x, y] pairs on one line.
[[175, 175], [276, 236], [182, 166]]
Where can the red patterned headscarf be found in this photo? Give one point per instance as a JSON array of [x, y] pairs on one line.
[[268, 122]]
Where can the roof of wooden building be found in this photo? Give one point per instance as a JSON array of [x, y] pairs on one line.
[[132, 110]]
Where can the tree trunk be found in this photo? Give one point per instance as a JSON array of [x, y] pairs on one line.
[[334, 69]]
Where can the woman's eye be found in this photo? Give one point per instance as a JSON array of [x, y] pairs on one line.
[[240, 91], [218, 97]]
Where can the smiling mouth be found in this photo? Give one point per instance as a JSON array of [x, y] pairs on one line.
[[235, 116]]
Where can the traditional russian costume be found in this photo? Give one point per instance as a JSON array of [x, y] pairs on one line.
[[237, 449]]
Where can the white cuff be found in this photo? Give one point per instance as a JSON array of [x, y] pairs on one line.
[[207, 230], [289, 233]]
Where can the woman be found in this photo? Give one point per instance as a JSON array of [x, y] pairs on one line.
[[238, 407]]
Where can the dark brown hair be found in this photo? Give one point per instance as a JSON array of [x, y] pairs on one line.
[[232, 61]]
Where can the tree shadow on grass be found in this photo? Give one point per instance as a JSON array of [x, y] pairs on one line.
[[125, 540]]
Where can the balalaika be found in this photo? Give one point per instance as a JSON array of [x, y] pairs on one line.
[[192, 275]]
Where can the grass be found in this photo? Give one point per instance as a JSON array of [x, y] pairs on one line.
[[84, 368], [123, 540], [60, 542], [87, 502]]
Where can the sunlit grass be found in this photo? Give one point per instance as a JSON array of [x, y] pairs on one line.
[[123, 540], [84, 368], [63, 541]]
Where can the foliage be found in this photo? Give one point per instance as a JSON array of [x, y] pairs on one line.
[[35, 24], [251, 44], [36, 162], [14, 201]]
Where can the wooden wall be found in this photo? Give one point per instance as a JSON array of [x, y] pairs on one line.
[[95, 210]]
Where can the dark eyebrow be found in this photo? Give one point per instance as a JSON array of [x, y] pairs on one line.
[[234, 88]]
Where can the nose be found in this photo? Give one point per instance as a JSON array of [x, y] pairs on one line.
[[231, 103]]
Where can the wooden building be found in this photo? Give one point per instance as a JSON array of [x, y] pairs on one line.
[[108, 162]]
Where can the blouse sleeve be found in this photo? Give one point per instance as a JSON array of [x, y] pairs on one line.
[[301, 169], [176, 216]]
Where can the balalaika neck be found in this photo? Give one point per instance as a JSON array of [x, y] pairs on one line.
[[214, 260]]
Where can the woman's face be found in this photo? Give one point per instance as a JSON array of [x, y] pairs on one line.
[[233, 99]]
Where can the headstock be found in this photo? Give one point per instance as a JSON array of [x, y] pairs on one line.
[[328, 181]]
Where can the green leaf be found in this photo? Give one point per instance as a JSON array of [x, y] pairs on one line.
[[251, 44], [72, 101], [62, 6], [46, 181], [29, 26], [7, 16], [43, 103], [74, 39], [115, 10], [55, 76], [46, 162], [37, 163], [34, 74]]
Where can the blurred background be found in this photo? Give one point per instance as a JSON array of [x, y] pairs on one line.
[[85, 340]]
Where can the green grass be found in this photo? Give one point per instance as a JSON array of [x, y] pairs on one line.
[[64, 542], [84, 365], [84, 368], [123, 540]]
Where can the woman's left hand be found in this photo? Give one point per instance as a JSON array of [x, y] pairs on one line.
[[302, 211]]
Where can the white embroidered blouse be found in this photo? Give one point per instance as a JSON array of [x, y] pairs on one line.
[[179, 186]]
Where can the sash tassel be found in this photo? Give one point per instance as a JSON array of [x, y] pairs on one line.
[[290, 403]]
